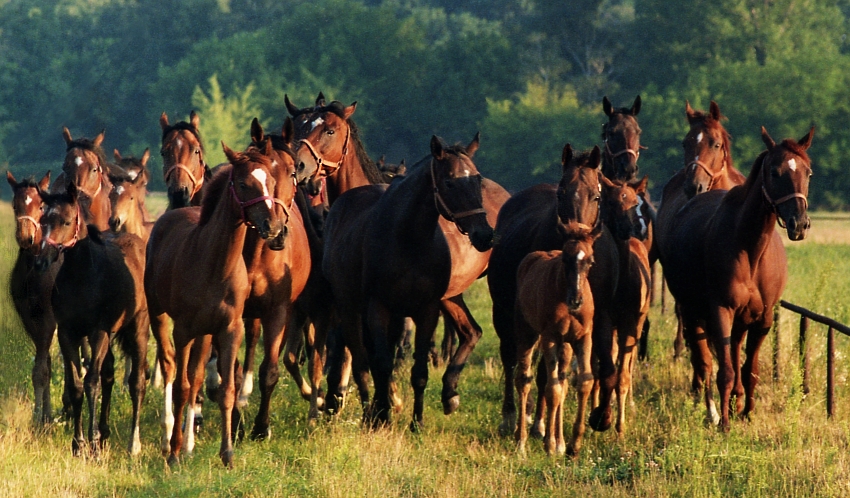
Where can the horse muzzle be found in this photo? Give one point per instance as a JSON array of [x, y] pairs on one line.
[[575, 303], [798, 227], [278, 243], [482, 238], [178, 197]]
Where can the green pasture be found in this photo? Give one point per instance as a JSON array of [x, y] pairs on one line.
[[789, 448]]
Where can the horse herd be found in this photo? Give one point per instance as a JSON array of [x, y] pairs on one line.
[[303, 240]]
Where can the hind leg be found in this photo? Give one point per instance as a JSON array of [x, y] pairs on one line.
[[738, 336], [469, 332], [526, 341], [99, 342], [138, 381], [538, 425], [583, 385], [426, 323], [292, 350], [273, 337], [755, 338], [252, 337], [73, 385], [719, 329], [603, 347], [107, 382]]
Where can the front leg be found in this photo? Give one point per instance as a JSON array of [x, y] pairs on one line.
[[469, 332], [719, 330], [426, 323]]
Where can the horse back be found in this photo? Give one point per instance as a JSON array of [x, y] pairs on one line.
[[164, 255], [604, 275]]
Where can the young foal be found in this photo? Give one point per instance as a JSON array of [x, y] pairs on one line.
[[98, 295], [127, 199], [31, 290], [554, 307]]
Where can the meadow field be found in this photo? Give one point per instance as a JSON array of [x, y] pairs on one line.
[[788, 448]]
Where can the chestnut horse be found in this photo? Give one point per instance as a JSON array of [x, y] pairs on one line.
[[127, 197], [708, 166], [387, 257], [135, 167], [554, 307], [196, 274], [85, 166], [97, 296], [729, 267], [183, 165], [31, 290]]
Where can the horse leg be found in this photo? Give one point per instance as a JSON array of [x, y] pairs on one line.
[[107, 382], [252, 337], [99, 342], [603, 345], [628, 342], [679, 341], [165, 360], [73, 385], [583, 384], [719, 330], [468, 332], [197, 370], [316, 366], [138, 381], [381, 359], [526, 340], [538, 425], [755, 337], [450, 341], [565, 356], [426, 323], [181, 388], [342, 353], [273, 337], [228, 342], [41, 381], [292, 350], [549, 357], [404, 343]]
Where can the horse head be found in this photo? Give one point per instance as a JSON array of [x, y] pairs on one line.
[[621, 135], [252, 184], [577, 259], [707, 149], [389, 171], [619, 208], [134, 167], [457, 190], [183, 166], [279, 150], [27, 204], [84, 163], [785, 173], [126, 198], [62, 225], [580, 189], [325, 143]]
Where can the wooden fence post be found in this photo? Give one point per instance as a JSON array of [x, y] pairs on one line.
[[830, 372], [804, 352]]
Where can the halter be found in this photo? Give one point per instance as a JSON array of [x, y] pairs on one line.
[[711, 176], [195, 182], [632, 152], [31, 220], [321, 162], [444, 209], [61, 247], [585, 226], [775, 203], [244, 204], [99, 183]]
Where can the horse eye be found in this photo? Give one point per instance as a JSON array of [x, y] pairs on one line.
[[330, 131], [242, 185]]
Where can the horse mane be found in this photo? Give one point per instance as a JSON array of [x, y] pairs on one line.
[[88, 144], [28, 182], [755, 171], [183, 125], [278, 143], [213, 190], [370, 169], [796, 148]]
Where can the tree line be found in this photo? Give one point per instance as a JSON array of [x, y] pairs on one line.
[[529, 74]]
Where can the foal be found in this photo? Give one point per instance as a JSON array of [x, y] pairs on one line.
[[554, 307], [98, 296]]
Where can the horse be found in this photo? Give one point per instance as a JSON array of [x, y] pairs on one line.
[[554, 308], [183, 166], [133, 168], [708, 166], [127, 197], [31, 290], [729, 268], [277, 270], [85, 166], [621, 136], [98, 296], [196, 274], [387, 256]]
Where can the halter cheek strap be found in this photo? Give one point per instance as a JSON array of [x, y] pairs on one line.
[[774, 203], [323, 164], [244, 204], [196, 184], [444, 209], [72, 243], [31, 220], [712, 177]]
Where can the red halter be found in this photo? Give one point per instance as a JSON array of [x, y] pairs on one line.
[[257, 200], [61, 247]]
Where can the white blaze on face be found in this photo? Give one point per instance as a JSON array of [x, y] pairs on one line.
[[132, 174], [316, 123], [643, 226], [792, 163], [699, 137], [119, 189], [260, 175], [179, 142], [78, 160], [28, 201], [580, 256]]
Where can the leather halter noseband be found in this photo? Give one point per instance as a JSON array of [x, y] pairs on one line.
[[196, 184], [711, 176], [322, 163], [614, 155], [585, 226], [31, 220], [775, 203], [61, 247], [444, 209], [244, 204]]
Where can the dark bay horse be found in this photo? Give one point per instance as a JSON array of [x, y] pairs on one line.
[[387, 257], [554, 308], [183, 165], [729, 267], [196, 274], [621, 136], [85, 166], [708, 166], [31, 290], [97, 296]]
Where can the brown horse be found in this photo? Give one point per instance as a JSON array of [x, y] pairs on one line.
[[387, 256], [621, 136], [135, 167], [708, 166], [183, 165], [97, 295], [554, 307], [127, 197], [729, 267], [197, 275], [31, 290], [277, 269], [85, 166]]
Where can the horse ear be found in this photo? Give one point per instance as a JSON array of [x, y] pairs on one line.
[[714, 110], [11, 179], [606, 183], [636, 106], [320, 100], [66, 134], [402, 169], [689, 111], [163, 120], [288, 130], [607, 107], [257, 134], [99, 138], [473, 145], [436, 147], [290, 107], [806, 141], [194, 119], [596, 157], [380, 161], [146, 155], [231, 155], [267, 150], [349, 110], [116, 155], [765, 137], [566, 154], [44, 183], [640, 188]]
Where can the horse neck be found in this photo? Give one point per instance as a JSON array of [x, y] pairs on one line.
[[136, 222], [755, 219], [223, 236], [98, 210], [350, 175], [417, 209]]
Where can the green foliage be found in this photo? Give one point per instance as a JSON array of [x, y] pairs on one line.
[[225, 118]]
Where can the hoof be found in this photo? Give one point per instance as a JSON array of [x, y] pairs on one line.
[[260, 433], [508, 425], [417, 426], [199, 424], [77, 446], [173, 460], [451, 404], [572, 453], [600, 419], [538, 430], [227, 458]]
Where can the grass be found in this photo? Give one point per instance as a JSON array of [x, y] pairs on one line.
[[789, 448]]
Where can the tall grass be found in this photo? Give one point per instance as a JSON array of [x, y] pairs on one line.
[[789, 448]]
